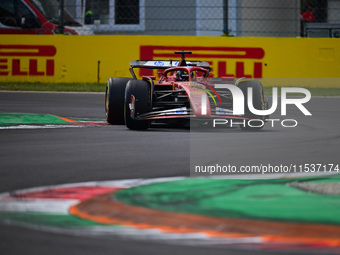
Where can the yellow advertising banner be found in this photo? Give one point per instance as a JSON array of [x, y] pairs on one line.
[[89, 59]]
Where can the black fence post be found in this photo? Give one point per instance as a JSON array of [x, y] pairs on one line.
[[225, 18], [61, 17]]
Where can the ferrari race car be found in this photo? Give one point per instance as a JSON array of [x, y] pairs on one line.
[[182, 94]]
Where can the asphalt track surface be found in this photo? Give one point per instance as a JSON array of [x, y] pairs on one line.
[[40, 157]]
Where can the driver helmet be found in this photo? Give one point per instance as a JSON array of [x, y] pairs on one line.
[[182, 76]]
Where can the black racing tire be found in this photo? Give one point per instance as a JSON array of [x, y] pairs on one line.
[[258, 103], [141, 91], [114, 100]]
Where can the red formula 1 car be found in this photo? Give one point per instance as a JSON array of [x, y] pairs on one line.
[[183, 93]]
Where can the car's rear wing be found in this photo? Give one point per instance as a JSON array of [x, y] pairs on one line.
[[163, 64]]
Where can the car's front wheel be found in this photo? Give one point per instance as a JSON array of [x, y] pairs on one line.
[[114, 100], [137, 102]]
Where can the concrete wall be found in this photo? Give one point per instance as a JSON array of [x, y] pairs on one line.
[[334, 11], [279, 18], [202, 17], [209, 17], [170, 17]]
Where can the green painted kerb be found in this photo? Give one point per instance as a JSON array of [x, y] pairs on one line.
[[255, 199], [10, 119], [15, 119], [44, 219]]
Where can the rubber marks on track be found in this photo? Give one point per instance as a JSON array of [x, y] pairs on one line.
[[95, 208], [39, 121]]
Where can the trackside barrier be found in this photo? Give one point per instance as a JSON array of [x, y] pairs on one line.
[[313, 62]]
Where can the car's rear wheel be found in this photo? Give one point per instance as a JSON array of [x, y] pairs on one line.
[[114, 100], [256, 122], [137, 102]]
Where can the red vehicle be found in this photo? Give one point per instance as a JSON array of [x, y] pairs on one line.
[[182, 94], [36, 17]]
